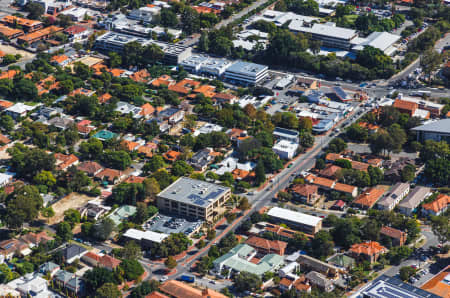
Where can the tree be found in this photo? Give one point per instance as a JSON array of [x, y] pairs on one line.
[[119, 159], [132, 269], [72, 216], [337, 145], [22, 206], [103, 229], [244, 204], [168, 18], [305, 123], [48, 212], [91, 149], [260, 174], [131, 251], [64, 231], [343, 163], [145, 288], [97, 277], [406, 272], [108, 290], [35, 10], [190, 21], [6, 123], [429, 61], [141, 213], [155, 163], [245, 281], [441, 227], [44, 178], [25, 89], [322, 244], [181, 168], [408, 173], [357, 133], [151, 187], [170, 262], [211, 234]]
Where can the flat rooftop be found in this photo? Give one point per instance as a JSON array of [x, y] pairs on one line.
[[193, 192], [294, 216], [246, 68], [390, 287]]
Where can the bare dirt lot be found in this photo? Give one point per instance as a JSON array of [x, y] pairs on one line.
[[72, 201], [13, 51]]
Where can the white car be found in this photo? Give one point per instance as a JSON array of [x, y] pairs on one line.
[[163, 279]]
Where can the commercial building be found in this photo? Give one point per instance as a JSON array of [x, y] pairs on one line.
[[439, 284], [395, 195], [330, 35], [385, 286], [285, 149], [437, 131], [246, 73], [26, 24], [10, 33], [307, 223], [39, 35], [414, 198], [112, 41], [240, 258], [285, 134], [264, 246], [383, 41], [194, 198], [146, 238]]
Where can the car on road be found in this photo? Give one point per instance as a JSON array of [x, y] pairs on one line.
[[163, 279]]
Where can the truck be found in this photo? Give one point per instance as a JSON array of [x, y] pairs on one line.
[[187, 278]]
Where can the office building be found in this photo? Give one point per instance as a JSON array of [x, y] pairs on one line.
[[285, 149], [144, 14], [246, 73], [307, 223], [285, 134], [111, 41], [383, 41], [330, 35], [194, 199], [437, 131]]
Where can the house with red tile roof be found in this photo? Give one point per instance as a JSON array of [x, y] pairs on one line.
[[224, 98], [112, 176], [397, 237], [147, 110], [141, 76], [147, 149], [61, 60], [164, 80], [368, 198], [306, 193], [156, 295], [4, 104], [330, 171], [82, 91], [406, 107], [9, 74], [129, 145], [264, 246], [34, 239], [63, 161], [134, 179], [91, 168], [84, 127], [178, 289], [369, 251], [171, 155], [332, 157], [4, 140], [104, 98], [437, 207], [76, 32], [328, 184], [102, 261]]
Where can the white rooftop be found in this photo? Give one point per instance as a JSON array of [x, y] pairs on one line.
[[147, 235], [294, 216]]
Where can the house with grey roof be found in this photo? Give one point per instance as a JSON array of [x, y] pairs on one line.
[[49, 268], [414, 198], [320, 280], [61, 123], [62, 277], [437, 131], [73, 252], [76, 285], [394, 196], [239, 259]]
